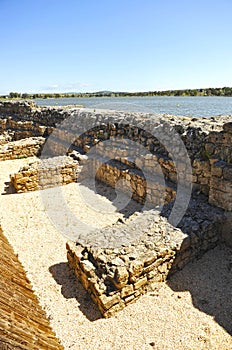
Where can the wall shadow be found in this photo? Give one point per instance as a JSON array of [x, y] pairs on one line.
[[72, 288], [8, 189], [209, 280], [118, 198]]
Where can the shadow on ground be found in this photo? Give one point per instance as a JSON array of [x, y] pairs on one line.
[[72, 288], [8, 189], [120, 200], [209, 280]]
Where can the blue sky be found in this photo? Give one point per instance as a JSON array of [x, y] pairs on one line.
[[123, 45]]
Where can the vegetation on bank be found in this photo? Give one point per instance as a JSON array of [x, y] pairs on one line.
[[225, 91]]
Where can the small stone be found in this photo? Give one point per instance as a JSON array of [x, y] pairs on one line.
[[149, 258], [87, 267], [117, 262], [150, 245], [121, 277], [140, 283], [129, 299], [136, 268], [127, 290], [163, 268], [108, 302]]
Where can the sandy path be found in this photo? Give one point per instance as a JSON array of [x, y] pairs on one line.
[[192, 312]]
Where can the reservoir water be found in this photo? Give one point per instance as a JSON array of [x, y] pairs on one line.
[[204, 106]]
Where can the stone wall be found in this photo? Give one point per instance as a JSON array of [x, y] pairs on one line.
[[220, 193], [28, 111], [204, 138], [151, 189], [22, 149], [115, 277], [5, 137], [219, 148], [118, 276], [197, 136], [106, 275], [21, 119], [20, 108], [219, 144], [22, 129], [45, 173]]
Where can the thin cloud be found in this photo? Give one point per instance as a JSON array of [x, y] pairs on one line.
[[67, 87]]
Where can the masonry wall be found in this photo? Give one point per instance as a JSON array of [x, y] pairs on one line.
[[115, 278], [22, 149], [197, 137], [207, 140], [46, 173], [28, 111]]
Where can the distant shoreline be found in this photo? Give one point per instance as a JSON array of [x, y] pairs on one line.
[[195, 106], [225, 91]]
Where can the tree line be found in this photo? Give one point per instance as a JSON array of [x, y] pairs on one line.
[[225, 91]]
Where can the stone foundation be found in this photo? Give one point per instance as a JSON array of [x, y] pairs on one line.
[[119, 276], [149, 189], [147, 248], [22, 149], [22, 129], [45, 173]]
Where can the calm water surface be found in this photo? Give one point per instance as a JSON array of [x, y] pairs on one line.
[[184, 106]]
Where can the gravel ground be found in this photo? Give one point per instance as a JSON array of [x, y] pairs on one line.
[[192, 311]]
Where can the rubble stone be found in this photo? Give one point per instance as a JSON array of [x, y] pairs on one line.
[[129, 147]]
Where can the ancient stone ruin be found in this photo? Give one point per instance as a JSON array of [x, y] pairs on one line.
[[118, 264], [45, 173], [116, 277]]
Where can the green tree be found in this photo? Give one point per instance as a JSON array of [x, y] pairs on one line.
[[14, 95]]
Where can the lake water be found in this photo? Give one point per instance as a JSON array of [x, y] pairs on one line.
[[184, 106]]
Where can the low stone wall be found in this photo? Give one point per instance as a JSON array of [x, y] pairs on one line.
[[22, 149], [45, 173], [220, 193], [96, 126], [150, 190], [119, 276], [115, 277], [219, 144], [204, 139], [155, 166], [21, 108], [22, 129], [29, 111]]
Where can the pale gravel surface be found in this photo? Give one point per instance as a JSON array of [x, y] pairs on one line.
[[180, 315]]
